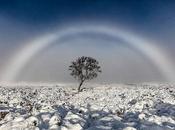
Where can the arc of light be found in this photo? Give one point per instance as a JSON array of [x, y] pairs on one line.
[[153, 53]]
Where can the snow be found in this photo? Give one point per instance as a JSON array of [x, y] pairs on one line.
[[97, 107]]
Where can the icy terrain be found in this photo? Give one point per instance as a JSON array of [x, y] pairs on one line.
[[98, 107]]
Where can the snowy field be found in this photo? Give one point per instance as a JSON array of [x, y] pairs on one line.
[[98, 107]]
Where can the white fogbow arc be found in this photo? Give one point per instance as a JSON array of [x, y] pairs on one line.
[[152, 52]]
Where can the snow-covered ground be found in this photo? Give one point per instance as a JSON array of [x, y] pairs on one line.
[[98, 107]]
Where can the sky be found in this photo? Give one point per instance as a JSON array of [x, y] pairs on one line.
[[103, 29]]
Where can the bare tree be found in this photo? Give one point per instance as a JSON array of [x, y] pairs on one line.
[[84, 68]]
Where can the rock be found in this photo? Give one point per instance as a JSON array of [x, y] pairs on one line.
[[73, 121], [46, 117], [109, 121], [130, 117], [95, 116], [32, 121], [132, 102], [55, 120], [129, 128], [3, 114], [82, 110], [141, 116], [75, 127], [19, 119], [64, 128], [17, 124], [71, 116], [55, 127], [167, 119], [14, 101], [46, 108], [100, 128], [9, 117], [155, 119]]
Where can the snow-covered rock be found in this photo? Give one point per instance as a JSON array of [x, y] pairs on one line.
[[55, 120], [73, 121], [142, 116], [129, 128], [46, 117], [33, 121]]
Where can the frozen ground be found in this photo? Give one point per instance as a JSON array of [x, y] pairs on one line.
[[99, 107]]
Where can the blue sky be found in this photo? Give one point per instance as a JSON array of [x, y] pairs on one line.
[[22, 21]]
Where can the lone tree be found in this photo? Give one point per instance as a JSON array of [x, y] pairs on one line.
[[84, 68]]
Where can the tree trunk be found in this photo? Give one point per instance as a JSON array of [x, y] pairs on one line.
[[79, 87]]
